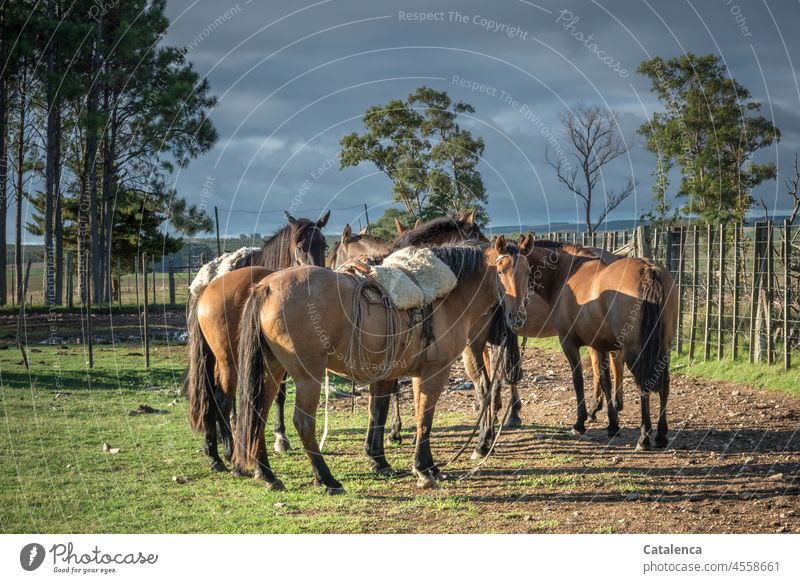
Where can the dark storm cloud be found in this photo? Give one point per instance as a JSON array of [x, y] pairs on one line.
[[294, 78]]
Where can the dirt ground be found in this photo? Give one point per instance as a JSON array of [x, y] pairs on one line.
[[732, 465]]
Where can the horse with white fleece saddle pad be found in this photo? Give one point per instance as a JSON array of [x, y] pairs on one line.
[[412, 277]]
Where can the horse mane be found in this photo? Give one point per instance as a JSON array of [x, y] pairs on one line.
[[465, 259], [276, 253], [427, 232], [365, 237]]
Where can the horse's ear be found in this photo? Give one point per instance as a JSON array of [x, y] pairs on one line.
[[347, 232], [500, 245], [470, 218], [417, 223], [364, 230], [324, 220], [290, 218], [399, 226], [525, 244]]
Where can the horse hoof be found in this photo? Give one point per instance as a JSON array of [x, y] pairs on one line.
[[618, 406], [395, 439], [478, 453], [577, 431], [275, 486], [240, 473], [612, 431], [282, 444], [661, 442], [218, 466], [386, 471], [513, 422], [643, 444], [592, 418], [427, 482], [334, 490]]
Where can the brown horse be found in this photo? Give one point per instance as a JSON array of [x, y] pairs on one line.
[[213, 315], [350, 246], [438, 231], [294, 323], [629, 306]]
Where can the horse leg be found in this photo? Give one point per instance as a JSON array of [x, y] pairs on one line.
[[514, 419], [573, 354], [618, 373], [210, 445], [477, 362], [661, 431], [597, 364], [224, 396], [281, 443], [427, 391], [305, 421], [605, 383], [380, 394], [395, 435]]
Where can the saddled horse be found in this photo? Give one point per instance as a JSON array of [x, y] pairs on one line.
[[294, 323], [627, 306], [438, 231], [213, 317]]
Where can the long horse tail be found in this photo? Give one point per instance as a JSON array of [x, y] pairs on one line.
[[649, 368], [200, 382], [253, 350]]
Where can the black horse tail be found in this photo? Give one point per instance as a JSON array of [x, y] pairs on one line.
[[200, 383], [500, 334], [253, 350], [512, 366], [650, 369]]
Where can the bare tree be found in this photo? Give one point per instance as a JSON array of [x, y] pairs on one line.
[[593, 133]]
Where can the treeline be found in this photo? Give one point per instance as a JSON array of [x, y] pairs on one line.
[[96, 114]]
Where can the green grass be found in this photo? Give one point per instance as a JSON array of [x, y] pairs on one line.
[[759, 375], [55, 476]]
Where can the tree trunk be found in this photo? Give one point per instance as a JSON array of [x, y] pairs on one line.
[[50, 161], [3, 159], [109, 150], [20, 183], [59, 221], [91, 155]]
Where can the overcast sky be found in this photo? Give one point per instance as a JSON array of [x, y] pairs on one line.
[[293, 78]]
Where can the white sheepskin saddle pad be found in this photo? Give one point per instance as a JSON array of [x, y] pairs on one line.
[[413, 277], [219, 267]]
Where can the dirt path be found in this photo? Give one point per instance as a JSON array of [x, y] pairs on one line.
[[733, 464]]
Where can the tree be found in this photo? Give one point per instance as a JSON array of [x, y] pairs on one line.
[[593, 132], [419, 146], [709, 130]]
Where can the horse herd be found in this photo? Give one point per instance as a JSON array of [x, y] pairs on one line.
[[286, 310]]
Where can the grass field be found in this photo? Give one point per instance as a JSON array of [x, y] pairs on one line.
[[57, 478]]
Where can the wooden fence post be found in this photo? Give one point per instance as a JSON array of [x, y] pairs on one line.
[[89, 335], [787, 292], [737, 257], [721, 294], [695, 260], [171, 283], [70, 300], [754, 289], [768, 314], [707, 321], [679, 326], [146, 325]]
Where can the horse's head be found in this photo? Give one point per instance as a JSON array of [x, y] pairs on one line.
[[513, 272], [469, 228], [308, 242]]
